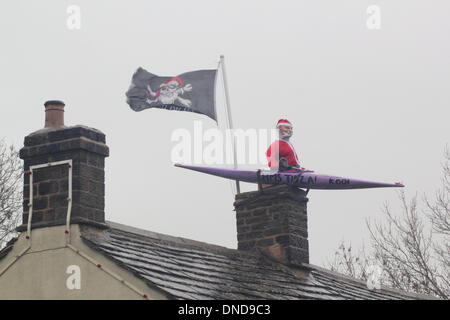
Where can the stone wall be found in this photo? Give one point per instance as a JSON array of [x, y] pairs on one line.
[[275, 222]]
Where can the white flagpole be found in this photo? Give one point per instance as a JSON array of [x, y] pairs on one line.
[[230, 121]]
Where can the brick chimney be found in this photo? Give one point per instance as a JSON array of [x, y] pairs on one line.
[[274, 222], [55, 142]]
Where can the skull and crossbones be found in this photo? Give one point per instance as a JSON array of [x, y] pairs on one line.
[[169, 92]]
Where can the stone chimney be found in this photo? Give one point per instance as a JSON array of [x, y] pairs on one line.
[[55, 142], [274, 222]]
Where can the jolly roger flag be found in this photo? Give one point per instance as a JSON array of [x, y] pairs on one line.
[[191, 91]]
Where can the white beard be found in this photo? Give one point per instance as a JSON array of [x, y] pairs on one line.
[[285, 136]]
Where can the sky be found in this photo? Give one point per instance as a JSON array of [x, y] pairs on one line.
[[367, 100]]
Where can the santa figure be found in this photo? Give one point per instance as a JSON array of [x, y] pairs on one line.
[[281, 154]]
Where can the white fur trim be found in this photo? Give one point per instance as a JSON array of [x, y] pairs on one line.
[[287, 124]]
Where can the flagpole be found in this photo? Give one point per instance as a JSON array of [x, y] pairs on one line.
[[230, 121]]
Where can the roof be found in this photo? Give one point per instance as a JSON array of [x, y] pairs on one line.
[[188, 269]]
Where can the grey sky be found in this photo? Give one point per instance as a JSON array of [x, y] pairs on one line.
[[369, 104]]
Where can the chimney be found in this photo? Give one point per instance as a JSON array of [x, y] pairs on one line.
[[55, 142], [274, 222]]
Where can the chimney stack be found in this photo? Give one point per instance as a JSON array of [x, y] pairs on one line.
[[55, 142], [275, 223]]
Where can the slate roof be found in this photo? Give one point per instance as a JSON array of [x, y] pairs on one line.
[[187, 269]]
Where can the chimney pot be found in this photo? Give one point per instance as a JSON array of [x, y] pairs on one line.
[[54, 114]]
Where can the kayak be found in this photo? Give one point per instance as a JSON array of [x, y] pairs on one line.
[[306, 179]]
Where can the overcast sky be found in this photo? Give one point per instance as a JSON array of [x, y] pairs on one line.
[[365, 103]]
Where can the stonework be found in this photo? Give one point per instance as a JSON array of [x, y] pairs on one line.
[[274, 221], [87, 149]]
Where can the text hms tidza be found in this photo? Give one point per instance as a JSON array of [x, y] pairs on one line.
[[225, 309]]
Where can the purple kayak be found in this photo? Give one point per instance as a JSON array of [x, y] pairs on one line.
[[299, 178]]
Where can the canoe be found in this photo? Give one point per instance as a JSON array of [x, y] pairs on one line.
[[306, 179]]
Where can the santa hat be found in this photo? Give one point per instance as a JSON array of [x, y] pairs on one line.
[[284, 122]]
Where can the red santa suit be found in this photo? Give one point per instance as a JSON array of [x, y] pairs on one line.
[[282, 149], [285, 150]]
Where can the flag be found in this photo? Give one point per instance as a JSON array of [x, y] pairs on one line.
[[191, 91]]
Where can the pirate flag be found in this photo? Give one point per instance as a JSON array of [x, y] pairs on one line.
[[191, 91]]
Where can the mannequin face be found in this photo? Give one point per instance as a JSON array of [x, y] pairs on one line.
[[285, 132]]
